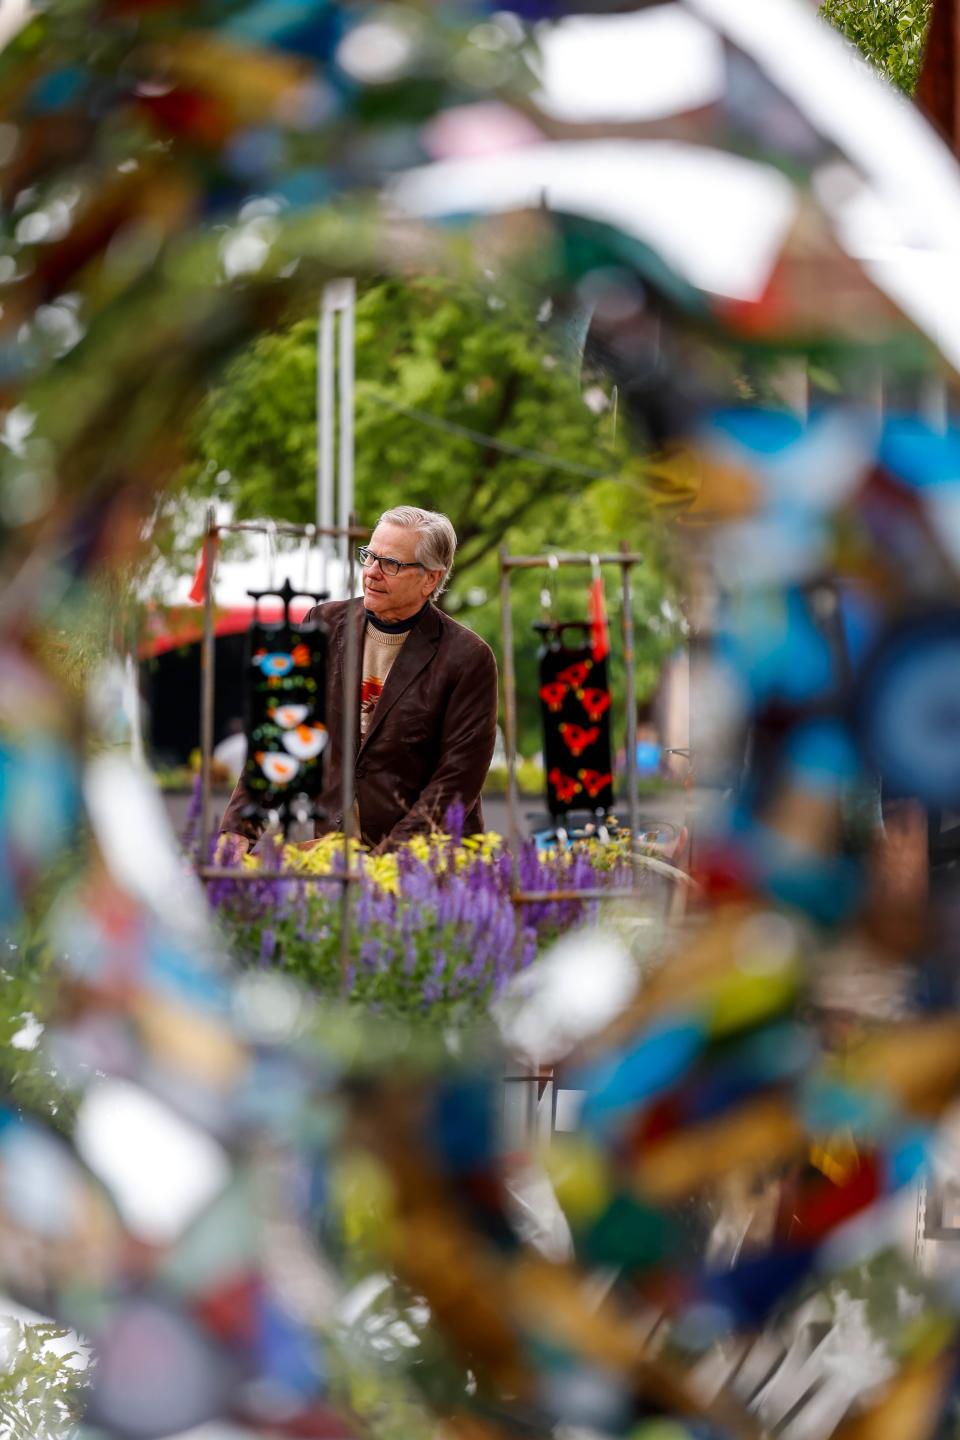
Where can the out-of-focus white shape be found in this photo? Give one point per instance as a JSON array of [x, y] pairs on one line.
[[134, 836], [536, 1213], [361, 1297], [216, 1430], [719, 220], [244, 250], [920, 279], [160, 1169], [579, 986], [14, 14], [907, 227], [28, 1036], [486, 128], [133, 710], [871, 123], [39, 1182], [267, 1008], [628, 67], [379, 49]]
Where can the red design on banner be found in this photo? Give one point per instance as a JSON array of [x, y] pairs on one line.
[[553, 694], [594, 782], [200, 574], [577, 739], [300, 655], [595, 702], [564, 785], [597, 611], [575, 674]]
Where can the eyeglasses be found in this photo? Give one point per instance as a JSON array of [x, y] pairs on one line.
[[388, 565]]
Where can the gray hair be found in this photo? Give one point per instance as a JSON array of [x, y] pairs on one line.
[[437, 542]]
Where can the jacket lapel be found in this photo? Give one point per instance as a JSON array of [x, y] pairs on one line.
[[418, 650]]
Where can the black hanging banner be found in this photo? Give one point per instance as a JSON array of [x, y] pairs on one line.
[[575, 711], [286, 706]]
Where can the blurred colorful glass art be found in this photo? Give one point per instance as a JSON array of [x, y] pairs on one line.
[[262, 1213]]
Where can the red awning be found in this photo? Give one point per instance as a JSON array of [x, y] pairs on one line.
[[175, 626]]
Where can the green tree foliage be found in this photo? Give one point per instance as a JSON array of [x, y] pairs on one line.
[[433, 361], [890, 33]]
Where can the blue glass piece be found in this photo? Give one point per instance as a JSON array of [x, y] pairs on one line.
[[307, 27], [824, 887], [59, 89], [829, 1106], [908, 710], [463, 1124], [302, 188], [823, 753], [777, 1052], [775, 645], [289, 1354], [765, 432], [907, 1160], [256, 152], [919, 455], [170, 967], [658, 1060], [753, 1288]]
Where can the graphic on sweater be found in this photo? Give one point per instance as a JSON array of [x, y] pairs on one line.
[[370, 692]]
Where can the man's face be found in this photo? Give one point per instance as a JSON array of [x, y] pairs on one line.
[[396, 597]]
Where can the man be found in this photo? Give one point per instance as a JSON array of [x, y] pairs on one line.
[[426, 704]]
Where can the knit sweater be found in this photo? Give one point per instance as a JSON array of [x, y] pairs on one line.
[[380, 650]]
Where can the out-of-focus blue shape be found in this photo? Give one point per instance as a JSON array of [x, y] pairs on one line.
[[58, 90], [307, 27], [38, 808], [288, 1354], [463, 1124], [908, 710], [751, 1290], [822, 755], [919, 455], [772, 642], [301, 188], [830, 1105], [662, 1055]]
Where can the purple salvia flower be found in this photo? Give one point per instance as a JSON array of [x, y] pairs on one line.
[[453, 822], [189, 837], [268, 945]]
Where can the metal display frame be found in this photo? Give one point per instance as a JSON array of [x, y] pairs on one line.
[[625, 560], [345, 534]]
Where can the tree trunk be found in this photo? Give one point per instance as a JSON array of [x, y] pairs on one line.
[[939, 85]]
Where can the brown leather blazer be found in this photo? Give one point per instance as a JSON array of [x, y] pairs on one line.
[[430, 739]]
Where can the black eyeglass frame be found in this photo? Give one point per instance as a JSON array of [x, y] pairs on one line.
[[364, 553]]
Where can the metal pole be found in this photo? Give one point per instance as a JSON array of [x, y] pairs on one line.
[[348, 760], [206, 683], [570, 557], [630, 690], [510, 716], [325, 432], [347, 299]]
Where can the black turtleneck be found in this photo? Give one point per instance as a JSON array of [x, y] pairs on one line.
[[400, 627]]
